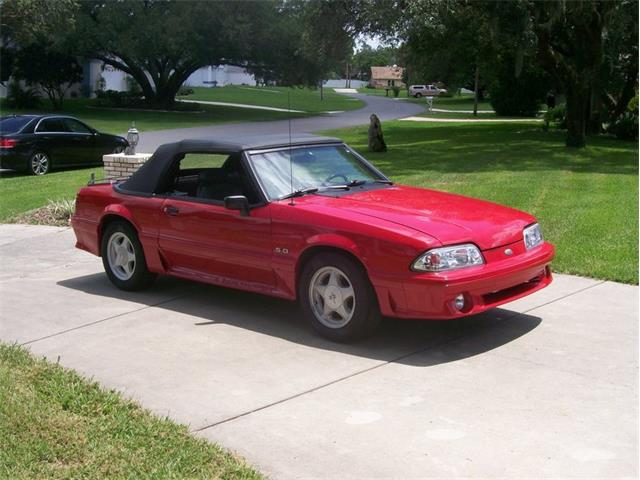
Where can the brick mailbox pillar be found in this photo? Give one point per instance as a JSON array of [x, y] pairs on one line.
[[119, 165]]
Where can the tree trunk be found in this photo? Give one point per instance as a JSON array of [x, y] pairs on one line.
[[475, 90], [577, 106], [321, 91]]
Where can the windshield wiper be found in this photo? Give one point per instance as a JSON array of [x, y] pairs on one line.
[[300, 193], [353, 183]]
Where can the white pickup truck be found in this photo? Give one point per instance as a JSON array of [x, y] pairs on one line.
[[425, 91]]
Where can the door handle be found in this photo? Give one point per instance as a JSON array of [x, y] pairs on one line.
[[171, 210]]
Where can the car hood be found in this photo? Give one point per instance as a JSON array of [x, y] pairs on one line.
[[449, 218]]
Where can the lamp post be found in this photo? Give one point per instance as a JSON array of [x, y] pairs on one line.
[[133, 136]]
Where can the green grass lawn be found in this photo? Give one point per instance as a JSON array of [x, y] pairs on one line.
[[305, 99], [55, 424], [20, 192], [586, 200], [118, 121]]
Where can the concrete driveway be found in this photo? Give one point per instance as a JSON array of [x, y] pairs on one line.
[[546, 387]]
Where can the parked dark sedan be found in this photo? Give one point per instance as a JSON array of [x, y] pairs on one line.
[[39, 143]]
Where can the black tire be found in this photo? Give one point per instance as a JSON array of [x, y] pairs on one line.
[[365, 316], [137, 276], [39, 163], [418, 95], [118, 149]]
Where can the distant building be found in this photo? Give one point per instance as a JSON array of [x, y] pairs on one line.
[[219, 76], [111, 78], [386, 77]]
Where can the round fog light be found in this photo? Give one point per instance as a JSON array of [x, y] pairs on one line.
[[459, 302]]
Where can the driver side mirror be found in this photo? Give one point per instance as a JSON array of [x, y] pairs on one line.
[[237, 202]]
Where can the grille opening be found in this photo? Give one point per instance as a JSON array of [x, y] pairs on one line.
[[501, 295]]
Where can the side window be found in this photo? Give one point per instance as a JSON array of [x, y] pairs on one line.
[[52, 125], [212, 177], [76, 126]]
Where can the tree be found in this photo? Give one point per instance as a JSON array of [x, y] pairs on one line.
[[307, 41], [23, 22], [50, 70], [161, 42], [571, 40], [368, 57]]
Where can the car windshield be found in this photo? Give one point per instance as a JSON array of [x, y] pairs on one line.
[[313, 168], [13, 124]]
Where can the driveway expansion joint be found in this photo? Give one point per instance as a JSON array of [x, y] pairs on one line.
[[96, 322], [437, 344]]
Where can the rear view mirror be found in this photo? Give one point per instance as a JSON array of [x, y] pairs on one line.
[[237, 202]]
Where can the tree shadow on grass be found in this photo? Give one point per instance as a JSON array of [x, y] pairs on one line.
[[497, 147], [418, 343]]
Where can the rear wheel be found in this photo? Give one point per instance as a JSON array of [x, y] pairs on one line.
[[418, 95], [123, 257], [338, 298], [39, 163]]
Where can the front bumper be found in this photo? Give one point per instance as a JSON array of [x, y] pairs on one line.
[[432, 295]]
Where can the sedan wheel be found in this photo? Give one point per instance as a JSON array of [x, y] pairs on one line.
[[39, 163], [337, 297]]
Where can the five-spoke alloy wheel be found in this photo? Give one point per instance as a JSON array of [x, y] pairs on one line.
[[123, 257], [336, 294], [39, 163]]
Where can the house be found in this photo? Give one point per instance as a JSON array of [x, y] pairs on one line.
[[211, 76], [386, 77]]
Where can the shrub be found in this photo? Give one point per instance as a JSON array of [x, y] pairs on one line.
[[556, 116], [184, 91], [18, 97], [113, 98], [55, 212], [625, 127], [396, 91], [520, 95], [447, 94]]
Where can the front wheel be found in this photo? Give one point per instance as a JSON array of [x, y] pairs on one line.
[[123, 257], [418, 95], [338, 298], [39, 164]]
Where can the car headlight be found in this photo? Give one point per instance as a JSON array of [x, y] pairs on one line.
[[532, 236], [448, 258]]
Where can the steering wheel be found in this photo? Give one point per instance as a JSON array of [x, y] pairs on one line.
[[337, 175]]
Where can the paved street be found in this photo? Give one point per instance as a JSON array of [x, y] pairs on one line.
[[546, 387], [385, 108]]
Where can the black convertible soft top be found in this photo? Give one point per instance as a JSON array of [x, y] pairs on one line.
[[149, 176]]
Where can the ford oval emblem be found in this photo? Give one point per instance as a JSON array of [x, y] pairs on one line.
[[508, 251]]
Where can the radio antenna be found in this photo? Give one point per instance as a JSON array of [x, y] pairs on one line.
[[291, 201]]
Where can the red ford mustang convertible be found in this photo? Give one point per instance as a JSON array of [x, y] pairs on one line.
[[310, 219]]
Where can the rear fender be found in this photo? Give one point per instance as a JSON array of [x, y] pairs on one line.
[[149, 244]]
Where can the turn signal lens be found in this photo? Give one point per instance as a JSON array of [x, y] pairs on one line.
[[7, 142]]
